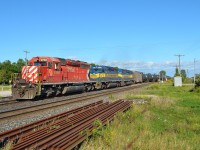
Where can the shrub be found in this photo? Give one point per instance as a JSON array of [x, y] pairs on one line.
[[197, 80]]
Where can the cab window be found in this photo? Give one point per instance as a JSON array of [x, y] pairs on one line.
[[50, 65], [44, 63], [56, 66]]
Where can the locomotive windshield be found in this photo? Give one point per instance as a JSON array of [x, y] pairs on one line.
[[42, 63]]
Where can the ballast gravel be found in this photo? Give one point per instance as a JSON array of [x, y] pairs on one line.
[[14, 122]]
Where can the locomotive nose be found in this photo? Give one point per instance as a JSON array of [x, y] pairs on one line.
[[30, 73]]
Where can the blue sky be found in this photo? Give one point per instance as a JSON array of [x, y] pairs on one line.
[[140, 35]]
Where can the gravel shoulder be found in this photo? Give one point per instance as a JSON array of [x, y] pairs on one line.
[[5, 93]]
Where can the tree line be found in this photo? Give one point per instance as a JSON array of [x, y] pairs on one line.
[[7, 68]]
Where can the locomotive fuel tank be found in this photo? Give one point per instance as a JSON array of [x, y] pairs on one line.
[[73, 89], [112, 85]]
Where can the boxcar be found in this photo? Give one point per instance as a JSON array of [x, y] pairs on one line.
[[137, 77]]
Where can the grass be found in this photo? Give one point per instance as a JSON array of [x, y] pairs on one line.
[[169, 120], [5, 87], [7, 147]]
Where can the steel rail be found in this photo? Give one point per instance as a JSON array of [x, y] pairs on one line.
[[68, 134], [31, 109], [76, 136], [40, 136], [17, 132], [7, 100]]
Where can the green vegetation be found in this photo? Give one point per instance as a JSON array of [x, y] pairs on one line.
[[188, 81], [169, 120], [93, 65], [176, 73], [5, 87], [111, 97], [7, 147], [7, 69], [163, 72], [197, 81]]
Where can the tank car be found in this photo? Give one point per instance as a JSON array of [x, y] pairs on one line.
[[155, 78], [145, 78], [150, 77]]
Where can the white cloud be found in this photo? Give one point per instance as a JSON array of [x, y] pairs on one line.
[[151, 67]]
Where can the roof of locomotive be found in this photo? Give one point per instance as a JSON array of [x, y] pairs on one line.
[[45, 58], [63, 61], [125, 70], [101, 67]]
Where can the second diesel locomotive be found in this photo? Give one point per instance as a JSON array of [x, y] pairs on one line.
[[49, 76]]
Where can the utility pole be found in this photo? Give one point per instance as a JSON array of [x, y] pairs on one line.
[[179, 62], [187, 73], [194, 71], [159, 78], [26, 59]]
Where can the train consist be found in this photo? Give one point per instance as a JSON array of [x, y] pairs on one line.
[[48, 76]]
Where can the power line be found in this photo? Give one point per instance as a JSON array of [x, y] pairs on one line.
[[194, 70], [179, 62]]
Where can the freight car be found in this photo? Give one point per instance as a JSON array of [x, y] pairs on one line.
[[138, 77], [155, 78], [145, 78]]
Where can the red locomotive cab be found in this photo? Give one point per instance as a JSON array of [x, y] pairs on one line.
[[36, 71], [54, 70]]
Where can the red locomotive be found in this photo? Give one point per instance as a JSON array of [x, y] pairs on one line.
[[46, 76]]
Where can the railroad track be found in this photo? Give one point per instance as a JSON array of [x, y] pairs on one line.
[[66, 130], [5, 99], [14, 133], [10, 101], [36, 108]]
